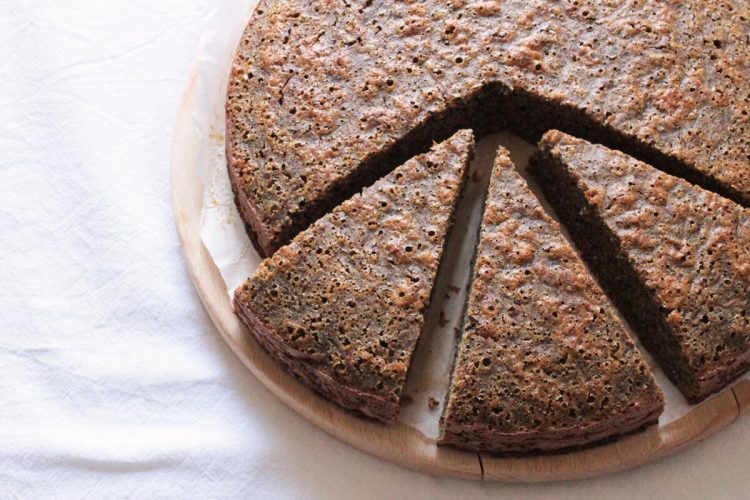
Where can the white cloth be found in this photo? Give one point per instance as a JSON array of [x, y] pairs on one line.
[[114, 382]]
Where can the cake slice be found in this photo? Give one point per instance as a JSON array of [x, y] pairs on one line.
[[543, 363], [674, 258], [342, 306]]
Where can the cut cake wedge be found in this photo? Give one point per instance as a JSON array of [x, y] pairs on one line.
[[342, 306], [675, 258], [543, 363]]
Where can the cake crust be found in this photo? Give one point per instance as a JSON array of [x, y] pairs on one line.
[[675, 258], [543, 363], [342, 306], [325, 96]]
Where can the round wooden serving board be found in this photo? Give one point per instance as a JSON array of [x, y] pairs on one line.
[[399, 443]]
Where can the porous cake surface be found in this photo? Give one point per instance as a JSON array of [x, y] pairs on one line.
[[543, 363], [327, 95], [343, 305], [675, 258]]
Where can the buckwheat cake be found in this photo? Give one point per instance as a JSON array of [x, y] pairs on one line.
[[543, 363], [674, 257], [325, 96], [342, 306]]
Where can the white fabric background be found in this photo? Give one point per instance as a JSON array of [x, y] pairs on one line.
[[113, 381]]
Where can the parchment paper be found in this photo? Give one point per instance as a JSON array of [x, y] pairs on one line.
[[223, 232]]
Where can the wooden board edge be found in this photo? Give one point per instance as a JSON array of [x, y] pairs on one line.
[[399, 443], [741, 392]]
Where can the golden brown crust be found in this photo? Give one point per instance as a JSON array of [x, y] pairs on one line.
[[674, 257], [342, 306], [543, 363], [321, 87]]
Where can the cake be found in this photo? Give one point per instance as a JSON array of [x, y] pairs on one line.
[[342, 306], [326, 96], [543, 363], [674, 257]]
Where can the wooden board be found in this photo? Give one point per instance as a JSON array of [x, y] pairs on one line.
[[399, 443]]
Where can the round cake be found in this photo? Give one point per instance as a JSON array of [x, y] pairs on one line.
[[349, 134]]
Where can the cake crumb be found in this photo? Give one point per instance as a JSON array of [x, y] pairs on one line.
[[432, 403], [442, 321]]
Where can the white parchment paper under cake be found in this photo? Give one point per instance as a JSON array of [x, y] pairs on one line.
[[223, 232]]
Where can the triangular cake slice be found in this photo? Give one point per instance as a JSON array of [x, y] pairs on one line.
[[675, 258], [342, 306], [543, 362]]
